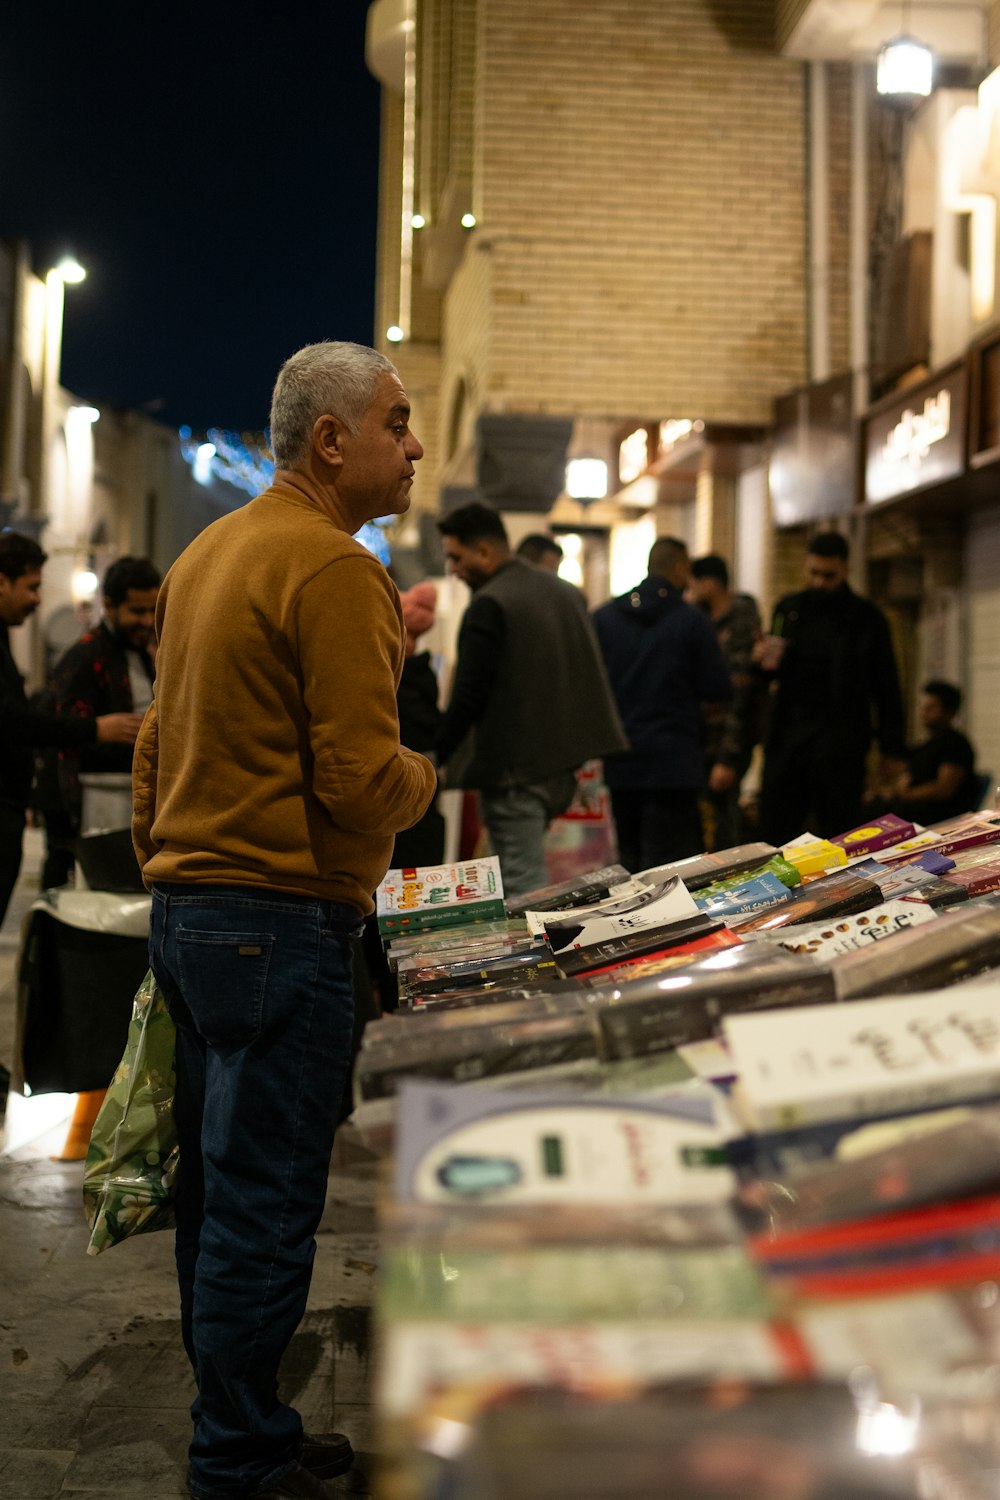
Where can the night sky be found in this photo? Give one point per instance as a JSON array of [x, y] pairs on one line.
[[215, 173]]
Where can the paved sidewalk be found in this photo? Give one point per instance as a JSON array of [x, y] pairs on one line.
[[94, 1384]]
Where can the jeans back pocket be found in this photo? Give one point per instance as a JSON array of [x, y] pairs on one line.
[[223, 978]]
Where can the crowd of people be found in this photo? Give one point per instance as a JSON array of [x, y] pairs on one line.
[[674, 685], [294, 747]]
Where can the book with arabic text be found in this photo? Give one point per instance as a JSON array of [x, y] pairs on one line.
[[431, 896]]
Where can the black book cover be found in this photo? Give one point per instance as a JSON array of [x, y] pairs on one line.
[[634, 944], [957, 945], [566, 894], [636, 1019], [702, 869], [838, 895], [479, 1052]]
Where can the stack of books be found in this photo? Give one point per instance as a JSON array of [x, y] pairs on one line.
[[696, 1184]]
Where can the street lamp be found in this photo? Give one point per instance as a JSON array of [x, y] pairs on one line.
[[70, 271], [905, 66]]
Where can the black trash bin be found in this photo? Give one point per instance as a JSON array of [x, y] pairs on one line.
[[76, 989]]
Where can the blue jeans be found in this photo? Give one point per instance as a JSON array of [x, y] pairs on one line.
[[259, 986]]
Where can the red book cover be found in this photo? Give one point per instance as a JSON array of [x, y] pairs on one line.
[[663, 958], [945, 1244]]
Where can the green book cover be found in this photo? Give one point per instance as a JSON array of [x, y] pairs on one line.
[[427, 897]]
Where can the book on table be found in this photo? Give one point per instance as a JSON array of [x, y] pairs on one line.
[[864, 1060], [429, 896]]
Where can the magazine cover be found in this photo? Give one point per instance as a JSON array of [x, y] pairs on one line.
[[440, 895], [486, 997], [469, 946], [621, 897], [776, 865], [938, 893]]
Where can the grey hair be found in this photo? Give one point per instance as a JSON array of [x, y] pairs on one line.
[[336, 378]]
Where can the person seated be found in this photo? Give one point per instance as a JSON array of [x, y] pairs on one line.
[[939, 780]]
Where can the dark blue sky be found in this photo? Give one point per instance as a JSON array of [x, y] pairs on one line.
[[216, 174]]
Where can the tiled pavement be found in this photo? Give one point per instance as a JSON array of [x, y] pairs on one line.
[[94, 1385]]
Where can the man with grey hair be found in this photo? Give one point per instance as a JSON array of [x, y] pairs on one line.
[[269, 785]]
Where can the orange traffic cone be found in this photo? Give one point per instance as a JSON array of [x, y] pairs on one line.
[[85, 1112]]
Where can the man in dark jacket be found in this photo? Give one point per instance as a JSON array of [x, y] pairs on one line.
[[664, 663], [23, 728], [530, 700], [109, 670], [835, 685]]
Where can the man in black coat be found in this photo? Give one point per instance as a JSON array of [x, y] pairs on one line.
[[664, 663], [530, 701], [23, 728], [835, 686]]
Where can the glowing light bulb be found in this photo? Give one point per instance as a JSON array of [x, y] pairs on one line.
[[70, 270]]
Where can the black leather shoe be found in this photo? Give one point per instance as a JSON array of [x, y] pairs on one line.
[[326, 1454], [298, 1485]]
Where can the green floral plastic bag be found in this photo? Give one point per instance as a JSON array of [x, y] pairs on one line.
[[131, 1167]]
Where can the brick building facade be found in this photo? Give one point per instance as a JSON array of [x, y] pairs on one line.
[[640, 249]]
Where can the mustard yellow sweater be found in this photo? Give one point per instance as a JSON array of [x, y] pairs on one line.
[[271, 756]]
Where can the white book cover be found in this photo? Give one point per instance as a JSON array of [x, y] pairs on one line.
[[866, 1058], [656, 906], [613, 901], [825, 940], [922, 840], [492, 1147], [428, 888], [424, 1359]]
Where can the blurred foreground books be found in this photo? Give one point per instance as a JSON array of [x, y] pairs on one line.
[[695, 1181]]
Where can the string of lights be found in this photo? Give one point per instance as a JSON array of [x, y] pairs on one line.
[[245, 461]]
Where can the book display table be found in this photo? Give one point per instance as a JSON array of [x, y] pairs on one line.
[[696, 1178]]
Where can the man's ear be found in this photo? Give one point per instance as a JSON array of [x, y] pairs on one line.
[[328, 439]]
